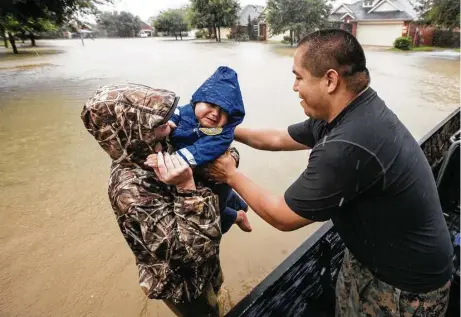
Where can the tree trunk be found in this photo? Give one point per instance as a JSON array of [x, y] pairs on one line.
[[13, 43], [291, 37], [32, 38], [215, 33], [175, 35], [23, 37], [180, 35], [5, 39], [219, 33]]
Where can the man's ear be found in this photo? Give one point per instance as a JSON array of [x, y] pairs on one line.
[[332, 78]]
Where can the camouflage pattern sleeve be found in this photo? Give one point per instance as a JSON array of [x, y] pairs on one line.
[[195, 210]]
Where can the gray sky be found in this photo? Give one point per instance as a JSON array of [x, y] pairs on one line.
[[148, 8]]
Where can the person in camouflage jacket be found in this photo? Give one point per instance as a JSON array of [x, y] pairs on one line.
[[173, 233]]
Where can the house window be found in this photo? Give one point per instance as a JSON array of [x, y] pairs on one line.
[[368, 3]]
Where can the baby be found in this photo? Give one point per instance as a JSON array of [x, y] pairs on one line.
[[204, 130]]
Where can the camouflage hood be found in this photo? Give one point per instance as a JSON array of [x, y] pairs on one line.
[[122, 119]]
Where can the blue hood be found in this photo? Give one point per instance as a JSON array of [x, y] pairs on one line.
[[223, 90]]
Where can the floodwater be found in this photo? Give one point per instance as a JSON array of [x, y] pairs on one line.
[[61, 251]]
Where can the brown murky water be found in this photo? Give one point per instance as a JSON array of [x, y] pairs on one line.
[[61, 251]]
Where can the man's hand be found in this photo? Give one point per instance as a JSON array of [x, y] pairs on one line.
[[222, 168], [172, 170]]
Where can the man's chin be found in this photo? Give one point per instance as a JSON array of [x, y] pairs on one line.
[[308, 113]]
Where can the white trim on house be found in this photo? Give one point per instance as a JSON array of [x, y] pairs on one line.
[[388, 21], [342, 18], [342, 5], [381, 2]]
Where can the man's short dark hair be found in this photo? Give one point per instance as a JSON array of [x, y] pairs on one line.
[[339, 50]]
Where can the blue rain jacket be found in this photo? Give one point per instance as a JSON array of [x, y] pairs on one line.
[[194, 144]]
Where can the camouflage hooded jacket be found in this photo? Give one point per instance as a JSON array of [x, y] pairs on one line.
[[174, 234]]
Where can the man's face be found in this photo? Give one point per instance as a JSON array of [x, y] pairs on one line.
[[311, 90], [210, 116]]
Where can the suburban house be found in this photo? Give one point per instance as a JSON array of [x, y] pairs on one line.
[[252, 13], [146, 29], [375, 22]]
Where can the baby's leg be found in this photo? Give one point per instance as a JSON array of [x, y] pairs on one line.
[[229, 203], [230, 216], [236, 202]]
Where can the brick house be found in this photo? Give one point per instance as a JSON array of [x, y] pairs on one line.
[[375, 22]]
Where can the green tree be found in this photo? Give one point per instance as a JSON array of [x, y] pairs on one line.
[[443, 13], [128, 25], [123, 24], [252, 34], [107, 21], [214, 14], [20, 16], [297, 16], [11, 27], [33, 26], [3, 32], [173, 22]]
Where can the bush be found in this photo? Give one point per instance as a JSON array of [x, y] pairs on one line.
[[403, 43], [446, 38], [287, 38], [245, 37], [201, 34]]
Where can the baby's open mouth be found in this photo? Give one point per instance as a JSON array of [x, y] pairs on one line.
[[212, 121]]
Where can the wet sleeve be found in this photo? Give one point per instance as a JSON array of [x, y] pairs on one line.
[[337, 173], [206, 149], [200, 209]]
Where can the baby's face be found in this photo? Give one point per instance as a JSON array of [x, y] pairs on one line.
[[210, 116], [162, 131]]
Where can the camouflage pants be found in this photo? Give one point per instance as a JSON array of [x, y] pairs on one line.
[[211, 303], [360, 294]]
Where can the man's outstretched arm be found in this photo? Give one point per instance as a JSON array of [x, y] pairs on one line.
[[268, 139], [271, 208]]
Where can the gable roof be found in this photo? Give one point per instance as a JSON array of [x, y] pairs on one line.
[[342, 5], [404, 11], [254, 11], [348, 14], [380, 3], [145, 26]]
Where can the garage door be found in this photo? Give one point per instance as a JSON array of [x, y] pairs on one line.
[[378, 34]]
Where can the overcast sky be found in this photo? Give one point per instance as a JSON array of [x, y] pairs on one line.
[[147, 8]]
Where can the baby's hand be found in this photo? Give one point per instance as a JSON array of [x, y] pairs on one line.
[[152, 161]]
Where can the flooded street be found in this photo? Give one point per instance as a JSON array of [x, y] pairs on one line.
[[62, 253]]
